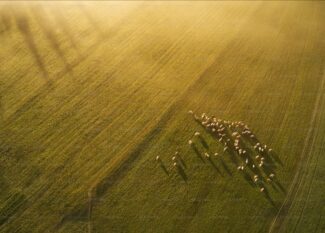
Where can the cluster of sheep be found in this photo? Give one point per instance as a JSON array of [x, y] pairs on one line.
[[237, 140], [234, 137]]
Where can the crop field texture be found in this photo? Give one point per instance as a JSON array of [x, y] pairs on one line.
[[92, 92]]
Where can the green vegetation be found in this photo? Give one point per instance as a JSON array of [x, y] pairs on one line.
[[92, 93]]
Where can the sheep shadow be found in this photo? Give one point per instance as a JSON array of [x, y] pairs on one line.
[[23, 26], [182, 162], [182, 173], [248, 178], [164, 168], [197, 153], [269, 198], [225, 167], [214, 166], [203, 142]]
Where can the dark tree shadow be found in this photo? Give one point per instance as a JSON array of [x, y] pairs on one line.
[[1, 105], [38, 12], [24, 28], [59, 17], [92, 21], [5, 21]]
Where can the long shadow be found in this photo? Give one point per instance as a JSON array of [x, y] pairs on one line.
[[24, 28], [268, 168], [279, 185], [181, 160], [268, 197], [91, 20], [50, 35], [163, 167], [5, 21], [274, 187], [182, 173], [225, 167], [246, 142], [248, 178], [203, 142], [1, 106], [250, 157], [65, 28], [276, 158], [215, 166], [233, 157], [270, 155], [197, 152]]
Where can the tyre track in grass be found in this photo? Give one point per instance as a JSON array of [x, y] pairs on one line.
[[304, 160], [304, 179], [308, 181]]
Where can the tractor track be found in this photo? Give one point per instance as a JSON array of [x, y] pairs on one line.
[[302, 165]]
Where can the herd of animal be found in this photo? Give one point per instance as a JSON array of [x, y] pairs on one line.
[[238, 141]]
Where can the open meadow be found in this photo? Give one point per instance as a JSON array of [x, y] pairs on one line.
[[130, 117]]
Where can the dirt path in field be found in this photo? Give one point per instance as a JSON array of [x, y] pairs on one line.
[[302, 165]]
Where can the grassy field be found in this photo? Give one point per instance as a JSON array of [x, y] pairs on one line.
[[91, 93]]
